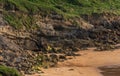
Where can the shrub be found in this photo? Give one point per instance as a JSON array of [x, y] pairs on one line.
[[7, 71]]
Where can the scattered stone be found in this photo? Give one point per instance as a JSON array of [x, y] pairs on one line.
[[71, 69]]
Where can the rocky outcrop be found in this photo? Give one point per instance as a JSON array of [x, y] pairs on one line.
[[54, 35]]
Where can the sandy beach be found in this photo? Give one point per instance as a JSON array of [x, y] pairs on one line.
[[85, 65]]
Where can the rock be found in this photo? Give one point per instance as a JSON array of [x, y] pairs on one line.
[[56, 16], [1, 58], [18, 60], [2, 21]]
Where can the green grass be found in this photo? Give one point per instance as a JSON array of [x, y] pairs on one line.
[[73, 7], [67, 8], [6, 71]]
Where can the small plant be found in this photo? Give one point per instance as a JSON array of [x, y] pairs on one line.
[[7, 71], [76, 23]]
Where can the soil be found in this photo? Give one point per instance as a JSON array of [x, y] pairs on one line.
[[85, 65]]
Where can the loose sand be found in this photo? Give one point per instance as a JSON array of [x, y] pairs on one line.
[[85, 65]]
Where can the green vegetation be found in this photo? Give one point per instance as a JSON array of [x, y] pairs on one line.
[[67, 8], [6, 71]]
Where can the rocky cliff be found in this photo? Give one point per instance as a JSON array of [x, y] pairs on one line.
[[50, 38]]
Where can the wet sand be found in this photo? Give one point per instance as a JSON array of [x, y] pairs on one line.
[[85, 65], [111, 71]]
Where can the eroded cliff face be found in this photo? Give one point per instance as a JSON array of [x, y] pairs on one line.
[[54, 38]]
